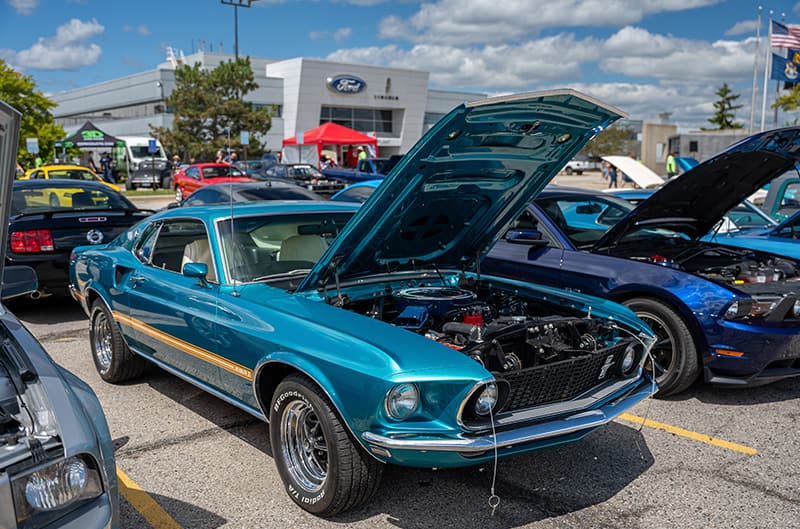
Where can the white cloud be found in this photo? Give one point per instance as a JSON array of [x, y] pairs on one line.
[[66, 51], [339, 35], [140, 29], [474, 21], [742, 27], [636, 52], [24, 7]]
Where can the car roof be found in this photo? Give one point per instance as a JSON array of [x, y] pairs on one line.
[[212, 213], [244, 186]]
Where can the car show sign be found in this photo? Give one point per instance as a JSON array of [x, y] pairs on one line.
[[346, 84]]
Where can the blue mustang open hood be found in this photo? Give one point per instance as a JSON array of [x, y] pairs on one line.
[[446, 202], [698, 199]]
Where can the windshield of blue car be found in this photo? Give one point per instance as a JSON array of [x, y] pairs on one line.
[[48, 199], [257, 248], [584, 219], [304, 172]]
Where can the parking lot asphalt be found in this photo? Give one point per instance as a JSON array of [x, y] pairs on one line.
[[188, 460]]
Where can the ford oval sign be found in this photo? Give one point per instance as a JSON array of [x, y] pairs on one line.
[[346, 84]]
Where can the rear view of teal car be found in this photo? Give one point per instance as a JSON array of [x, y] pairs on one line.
[[369, 335]]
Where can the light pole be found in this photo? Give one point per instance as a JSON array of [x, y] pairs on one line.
[[236, 5]]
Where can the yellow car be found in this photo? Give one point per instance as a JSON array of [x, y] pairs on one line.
[[68, 172]]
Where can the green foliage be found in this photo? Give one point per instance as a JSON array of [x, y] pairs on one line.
[[613, 140], [789, 102], [725, 109], [205, 103], [20, 92]]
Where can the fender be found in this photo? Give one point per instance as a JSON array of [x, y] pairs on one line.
[[292, 361]]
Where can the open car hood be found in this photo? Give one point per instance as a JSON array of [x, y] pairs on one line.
[[696, 201], [470, 176], [636, 170]]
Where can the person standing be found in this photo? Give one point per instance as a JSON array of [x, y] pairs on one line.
[[105, 166], [362, 154], [612, 176], [220, 157], [90, 163], [672, 166], [351, 158]]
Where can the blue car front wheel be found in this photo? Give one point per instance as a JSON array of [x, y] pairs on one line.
[[674, 354], [324, 470]]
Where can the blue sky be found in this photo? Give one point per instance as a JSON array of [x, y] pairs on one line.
[[644, 56]]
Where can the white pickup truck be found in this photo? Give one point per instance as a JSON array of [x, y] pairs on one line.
[[579, 166]]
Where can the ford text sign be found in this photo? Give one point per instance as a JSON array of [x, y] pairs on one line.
[[346, 84]]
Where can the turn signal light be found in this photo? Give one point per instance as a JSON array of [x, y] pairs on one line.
[[32, 241]]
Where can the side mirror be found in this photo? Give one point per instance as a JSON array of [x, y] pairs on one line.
[[528, 236], [173, 205], [18, 281], [196, 270]]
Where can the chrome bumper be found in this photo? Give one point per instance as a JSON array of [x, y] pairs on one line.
[[525, 434]]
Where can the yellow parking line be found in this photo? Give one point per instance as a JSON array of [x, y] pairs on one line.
[[689, 434], [155, 515]]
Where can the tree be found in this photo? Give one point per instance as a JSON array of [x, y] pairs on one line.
[[613, 140], [789, 102], [726, 109], [20, 92], [208, 104]]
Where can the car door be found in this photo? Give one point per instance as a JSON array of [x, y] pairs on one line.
[[193, 182], [516, 260], [175, 315]]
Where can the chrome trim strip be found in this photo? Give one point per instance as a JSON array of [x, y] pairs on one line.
[[525, 434], [460, 413]]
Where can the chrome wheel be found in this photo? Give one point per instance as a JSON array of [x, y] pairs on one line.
[[178, 194], [303, 445], [663, 351], [103, 342]]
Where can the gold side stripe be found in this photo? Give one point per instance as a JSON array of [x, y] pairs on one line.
[[186, 347]]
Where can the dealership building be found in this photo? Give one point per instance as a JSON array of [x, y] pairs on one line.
[[395, 105]]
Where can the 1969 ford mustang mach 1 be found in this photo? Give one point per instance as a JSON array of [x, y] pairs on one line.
[[376, 339]]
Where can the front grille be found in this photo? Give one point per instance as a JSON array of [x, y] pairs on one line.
[[559, 381]]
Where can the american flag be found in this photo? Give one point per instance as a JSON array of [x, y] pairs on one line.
[[785, 36]]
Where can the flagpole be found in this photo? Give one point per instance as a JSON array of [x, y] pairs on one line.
[[768, 62], [755, 70], [778, 83]]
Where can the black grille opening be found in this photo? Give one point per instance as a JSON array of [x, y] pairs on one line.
[[560, 381]]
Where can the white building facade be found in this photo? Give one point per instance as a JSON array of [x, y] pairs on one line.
[[395, 105]]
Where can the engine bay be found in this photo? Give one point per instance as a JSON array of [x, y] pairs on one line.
[[746, 269], [502, 331]]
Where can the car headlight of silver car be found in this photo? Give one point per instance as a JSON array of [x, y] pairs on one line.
[[56, 487], [402, 401]]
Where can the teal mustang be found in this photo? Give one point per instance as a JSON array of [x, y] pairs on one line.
[[369, 336]]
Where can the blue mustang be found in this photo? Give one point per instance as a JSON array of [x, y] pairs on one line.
[[378, 340], [732, 313]]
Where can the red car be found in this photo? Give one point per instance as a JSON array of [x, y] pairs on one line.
[[195, 176]]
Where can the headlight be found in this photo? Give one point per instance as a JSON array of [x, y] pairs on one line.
[[627, 363], [402, 400], [55, 487], [487, 400], [752, 308]]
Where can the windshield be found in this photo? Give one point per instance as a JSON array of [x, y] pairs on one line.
[[257, 247], [584, 219], [279, 193], [47, 199], [216, 171], [73, 174], [304, 171], [141, 151]]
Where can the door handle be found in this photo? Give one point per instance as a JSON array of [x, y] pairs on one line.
[[137, 280]]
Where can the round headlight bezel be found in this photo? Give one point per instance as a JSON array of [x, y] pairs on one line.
[[397, 401], [489, 393]]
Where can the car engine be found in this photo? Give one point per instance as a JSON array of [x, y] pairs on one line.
[[500, 330]]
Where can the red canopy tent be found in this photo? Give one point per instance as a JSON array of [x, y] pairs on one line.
[[329, 134]]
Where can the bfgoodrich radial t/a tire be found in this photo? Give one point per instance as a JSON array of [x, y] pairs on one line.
[[113, 360], [674, 353], [325, 472]]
